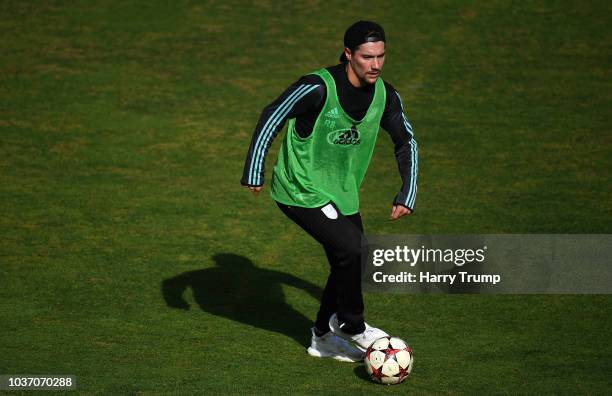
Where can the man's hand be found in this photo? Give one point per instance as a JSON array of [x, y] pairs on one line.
[[399, 211], [254, 189]]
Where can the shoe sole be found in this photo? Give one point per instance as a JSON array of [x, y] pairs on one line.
[[313, 352]]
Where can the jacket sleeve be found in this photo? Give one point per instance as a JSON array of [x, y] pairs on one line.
[[301, 96], [396, 123]]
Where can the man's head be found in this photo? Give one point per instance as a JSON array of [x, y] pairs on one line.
[[364, 52]]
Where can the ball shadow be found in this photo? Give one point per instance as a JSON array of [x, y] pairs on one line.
[[360, 372]]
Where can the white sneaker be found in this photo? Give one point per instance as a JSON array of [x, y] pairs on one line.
[[330, 345], [361, 340]]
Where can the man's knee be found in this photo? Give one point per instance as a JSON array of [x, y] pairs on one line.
[[349, 253]]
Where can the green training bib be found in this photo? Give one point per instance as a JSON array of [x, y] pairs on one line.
[[330, 164]]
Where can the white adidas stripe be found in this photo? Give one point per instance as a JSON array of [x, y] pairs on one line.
[[268, 130], [411, 196]]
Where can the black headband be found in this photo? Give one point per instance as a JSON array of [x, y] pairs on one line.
[[362, 32]]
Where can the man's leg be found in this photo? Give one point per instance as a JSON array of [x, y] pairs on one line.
[[341, 237], [329, 300], [347, 277]]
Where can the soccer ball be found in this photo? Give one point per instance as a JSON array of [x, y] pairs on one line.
[[389, 360]]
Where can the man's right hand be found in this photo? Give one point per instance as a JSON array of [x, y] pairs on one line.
[[254, 189]]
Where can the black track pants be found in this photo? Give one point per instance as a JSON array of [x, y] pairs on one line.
[[341, 238]]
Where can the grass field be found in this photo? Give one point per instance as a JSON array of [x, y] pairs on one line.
[[131, 257]]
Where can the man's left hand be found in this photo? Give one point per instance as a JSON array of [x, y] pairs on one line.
[[399, 211]]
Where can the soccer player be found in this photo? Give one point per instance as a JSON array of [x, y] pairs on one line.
[[334, 115]]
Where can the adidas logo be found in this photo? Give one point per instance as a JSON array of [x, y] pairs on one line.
[[333, 113], [350, 137]]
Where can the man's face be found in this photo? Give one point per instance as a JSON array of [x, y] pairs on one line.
[[367, 61]]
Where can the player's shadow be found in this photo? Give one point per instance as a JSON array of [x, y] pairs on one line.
[[238, 290]]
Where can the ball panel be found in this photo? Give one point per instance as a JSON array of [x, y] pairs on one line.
[[390, 380], [380, 344], [376, 358], [397, 343], [403, 358], [390, 367]]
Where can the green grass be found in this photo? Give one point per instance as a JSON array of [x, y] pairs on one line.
[[124, 127]]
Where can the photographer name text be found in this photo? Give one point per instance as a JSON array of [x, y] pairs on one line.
[[428, 277]]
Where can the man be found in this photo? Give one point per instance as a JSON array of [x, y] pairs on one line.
[[334, 115]]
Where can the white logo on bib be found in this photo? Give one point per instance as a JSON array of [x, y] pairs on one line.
[[330, 211]]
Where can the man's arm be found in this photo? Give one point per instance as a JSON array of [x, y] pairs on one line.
[[396, 123], [302, 96]]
